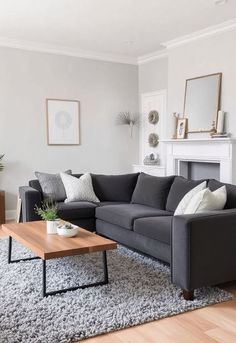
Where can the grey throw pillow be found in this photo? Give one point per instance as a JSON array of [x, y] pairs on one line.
[[52, 185], [152, 190], [179, 188]]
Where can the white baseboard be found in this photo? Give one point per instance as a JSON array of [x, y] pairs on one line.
[[10, 214]]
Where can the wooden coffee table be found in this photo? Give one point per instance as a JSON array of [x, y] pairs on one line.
[[34, 237]]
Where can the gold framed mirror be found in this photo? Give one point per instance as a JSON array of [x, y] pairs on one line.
[[202, 102]]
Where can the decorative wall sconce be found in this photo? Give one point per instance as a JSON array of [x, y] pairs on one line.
[[128, 118]]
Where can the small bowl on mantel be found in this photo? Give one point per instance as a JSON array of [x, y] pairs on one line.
[[67, 230]]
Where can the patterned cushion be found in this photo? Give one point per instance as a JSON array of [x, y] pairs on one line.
[[52, 186], [79, 189]]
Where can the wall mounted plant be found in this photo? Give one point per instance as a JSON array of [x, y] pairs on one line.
[[128, 118]]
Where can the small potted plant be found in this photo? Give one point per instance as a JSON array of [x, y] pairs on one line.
[[49, 212]]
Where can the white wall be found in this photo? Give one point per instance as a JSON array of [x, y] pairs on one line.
[[200, 57], [103, 89], [153, 75]]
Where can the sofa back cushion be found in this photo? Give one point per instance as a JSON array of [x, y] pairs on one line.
[[36, 185], [179, 188], [152, 190], [231, 192], [114, 187], [52, 185]]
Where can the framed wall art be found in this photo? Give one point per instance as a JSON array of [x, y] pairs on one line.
[[63, 126], [181, 128]]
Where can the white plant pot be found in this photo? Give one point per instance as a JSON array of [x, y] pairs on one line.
[[51, 227]]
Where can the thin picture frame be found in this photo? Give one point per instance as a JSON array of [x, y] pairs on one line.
[[217, 100], [181, 128], [62, 122]]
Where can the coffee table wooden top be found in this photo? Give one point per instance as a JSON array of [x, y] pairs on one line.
[[33, 235]]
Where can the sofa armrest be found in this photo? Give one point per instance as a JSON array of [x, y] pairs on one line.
[[30, 197], [203, 249]]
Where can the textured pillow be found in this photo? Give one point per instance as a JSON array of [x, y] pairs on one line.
[[79, 189], [152, 190], [186, 199], [52, 185], [206, 200], [179, 188]]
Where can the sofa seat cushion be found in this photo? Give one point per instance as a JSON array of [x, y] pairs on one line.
[[152, 190], [125, 214], [76, 210], [179, 188], [106, 203], [158, 228]]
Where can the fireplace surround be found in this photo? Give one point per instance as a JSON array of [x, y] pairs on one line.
[[217, 152]]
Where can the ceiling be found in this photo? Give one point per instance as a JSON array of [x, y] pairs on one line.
[[130, 28]]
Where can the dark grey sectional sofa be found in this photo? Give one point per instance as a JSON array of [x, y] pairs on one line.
[[137, 210]]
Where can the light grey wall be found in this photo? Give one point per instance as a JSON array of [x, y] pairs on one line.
[[103, 89], [200, 57], [153, 75]]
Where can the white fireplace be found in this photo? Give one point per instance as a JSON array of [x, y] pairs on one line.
[[216, 155]]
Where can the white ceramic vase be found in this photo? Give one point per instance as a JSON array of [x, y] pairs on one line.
[[51, 227]]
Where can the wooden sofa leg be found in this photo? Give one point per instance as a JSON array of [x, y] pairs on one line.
[[188, 295]]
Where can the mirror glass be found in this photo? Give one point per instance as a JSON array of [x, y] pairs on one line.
[[201, 103]]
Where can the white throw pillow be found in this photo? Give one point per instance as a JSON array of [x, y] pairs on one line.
[[79, 189], [206, 200], [186, 199]]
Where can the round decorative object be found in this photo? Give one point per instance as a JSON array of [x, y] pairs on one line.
[[67, 232], [153, 117], [153, 140]]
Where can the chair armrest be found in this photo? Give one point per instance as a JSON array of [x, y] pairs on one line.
[[203, 249], [30, 197]]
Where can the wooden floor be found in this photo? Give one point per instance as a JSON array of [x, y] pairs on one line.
[[216, 323]]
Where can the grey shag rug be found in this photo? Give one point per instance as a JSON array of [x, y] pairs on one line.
[[139, 291]]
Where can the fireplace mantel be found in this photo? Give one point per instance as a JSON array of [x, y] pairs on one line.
[[215, 150], [187, 141]]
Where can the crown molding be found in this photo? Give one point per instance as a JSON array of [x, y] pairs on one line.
[[152, 56], [210, 31], [116, 58], [66, 51]]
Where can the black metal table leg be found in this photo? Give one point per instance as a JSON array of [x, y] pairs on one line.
[[20, 259], [45, 293], [44, 278], [59, 291], [105, 267], [9, 249]]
